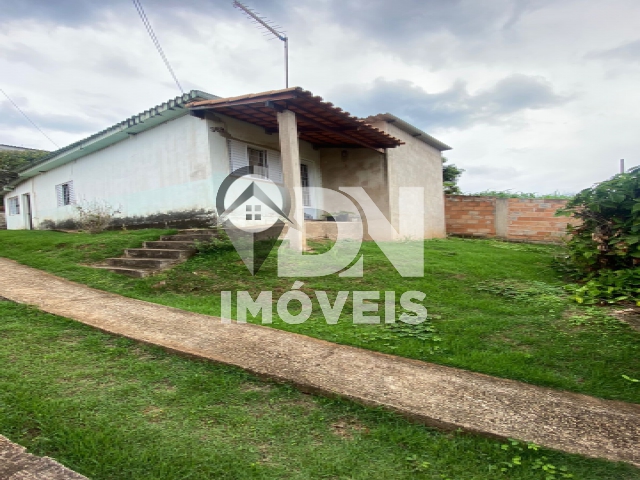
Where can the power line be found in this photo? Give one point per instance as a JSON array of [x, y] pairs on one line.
[[156, 42], [27, 117]]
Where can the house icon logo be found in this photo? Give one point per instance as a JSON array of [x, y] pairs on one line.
[[253, 220]]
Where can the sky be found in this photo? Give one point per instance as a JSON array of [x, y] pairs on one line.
[[533, 95]]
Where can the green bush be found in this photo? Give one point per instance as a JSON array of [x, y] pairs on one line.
[[604, 245], [509, 194]]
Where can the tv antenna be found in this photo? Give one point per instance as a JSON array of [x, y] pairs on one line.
[[271, 29]]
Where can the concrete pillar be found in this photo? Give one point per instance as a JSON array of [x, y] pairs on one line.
[[290, 153], [501, 217]]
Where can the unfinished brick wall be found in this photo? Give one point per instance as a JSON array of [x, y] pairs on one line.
[[534, 220], [470, 216], [519, 219]]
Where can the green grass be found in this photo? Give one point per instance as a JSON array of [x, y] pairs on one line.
[[111, 408], [496, 308]]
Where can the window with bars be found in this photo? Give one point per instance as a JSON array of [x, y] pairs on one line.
[[14, 206], [65, 194], [304, 183]]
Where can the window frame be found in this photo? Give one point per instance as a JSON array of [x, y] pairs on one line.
[[239, 153], [263, 157], [306, 195], [65, 194], [14, 205]]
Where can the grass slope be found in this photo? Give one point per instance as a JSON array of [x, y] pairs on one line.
[[111, 408], [496, 308]]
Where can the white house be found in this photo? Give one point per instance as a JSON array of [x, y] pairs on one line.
[[164, 167]]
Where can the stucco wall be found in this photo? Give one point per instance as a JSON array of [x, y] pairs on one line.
[[355, 167], [175, 170], [162, 170], [416, 164], [171, 171]]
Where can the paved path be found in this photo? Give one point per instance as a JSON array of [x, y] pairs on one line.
[[433, 394], [17, 464]]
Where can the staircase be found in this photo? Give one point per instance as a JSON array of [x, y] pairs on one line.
[[158, 255]]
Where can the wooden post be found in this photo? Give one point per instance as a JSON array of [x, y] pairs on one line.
[[290, 153]]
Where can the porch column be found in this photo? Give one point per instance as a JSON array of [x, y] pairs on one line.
[[290, 153]]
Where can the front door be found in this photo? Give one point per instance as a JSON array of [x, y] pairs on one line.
[[28, 215]]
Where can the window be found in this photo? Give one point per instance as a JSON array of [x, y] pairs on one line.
[[65, 194], [258, 159], [304, 183], [266, 163], [14, 206]]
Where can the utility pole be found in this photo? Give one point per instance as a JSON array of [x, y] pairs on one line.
[[622, 165], [271, 29]]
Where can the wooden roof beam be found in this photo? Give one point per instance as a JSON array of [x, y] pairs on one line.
[[271, 130], [310, 121]]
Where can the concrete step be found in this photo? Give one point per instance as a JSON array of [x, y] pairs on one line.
[[191, 237], [158, 253], [130, 272], [170, 245], [143, 263], [196, 231]]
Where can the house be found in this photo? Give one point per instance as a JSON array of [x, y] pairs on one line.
[[164, 167]]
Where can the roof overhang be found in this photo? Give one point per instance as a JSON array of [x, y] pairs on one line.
[[138, 123], [410, 129], [319, 122]]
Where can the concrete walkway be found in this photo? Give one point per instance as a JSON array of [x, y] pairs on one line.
[[17, 464], [432, 394]]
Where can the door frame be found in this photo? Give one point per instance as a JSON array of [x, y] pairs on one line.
[[27, 211]]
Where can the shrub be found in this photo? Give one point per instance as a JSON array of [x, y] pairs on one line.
[[604, 246], [95, 216], [510, 194]]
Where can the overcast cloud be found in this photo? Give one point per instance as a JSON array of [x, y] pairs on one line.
[[532, 95]]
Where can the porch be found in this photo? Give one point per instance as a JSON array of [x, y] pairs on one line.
[[351, 152]]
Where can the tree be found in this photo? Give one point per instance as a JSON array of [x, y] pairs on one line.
[[604, 246], [12, 160], [450, 176]]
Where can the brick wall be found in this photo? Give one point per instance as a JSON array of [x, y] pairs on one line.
[[518, 219], [470, 216], [534, 220]]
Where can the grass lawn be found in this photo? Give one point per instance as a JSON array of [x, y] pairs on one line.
[[111, 408], [496, 308]]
